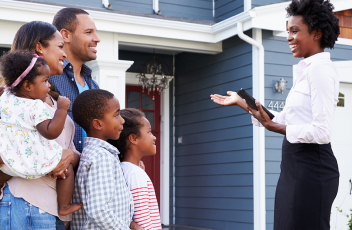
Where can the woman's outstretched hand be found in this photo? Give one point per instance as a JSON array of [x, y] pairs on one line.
[[232, 99]]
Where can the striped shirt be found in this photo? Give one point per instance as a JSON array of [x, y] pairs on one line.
[[146, 211], [101, 187]]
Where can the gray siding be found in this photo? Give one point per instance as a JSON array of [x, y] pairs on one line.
[[138, 6], [278, 63], [171, 182], [256, 3], [88, 3], [225, 9], [214, 169], [194, 9], [140, 58]]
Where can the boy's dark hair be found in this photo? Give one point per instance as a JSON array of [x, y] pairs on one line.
[[14, 63], [132, 125], [28, 36], [66, 18], [89, 105], [318, 15]]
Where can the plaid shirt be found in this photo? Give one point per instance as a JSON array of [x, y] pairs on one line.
[[101, 187], [65, 85]]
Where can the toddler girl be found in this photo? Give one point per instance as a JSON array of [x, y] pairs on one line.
[[26, 128], [136, 141]]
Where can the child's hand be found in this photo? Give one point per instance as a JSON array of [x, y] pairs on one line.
[[135, 226], [63, 103]]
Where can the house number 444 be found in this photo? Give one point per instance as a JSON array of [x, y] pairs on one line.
[[275, 105]]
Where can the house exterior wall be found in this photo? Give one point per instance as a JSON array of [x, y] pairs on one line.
[[227, 8], [256, 3], [345, 22], [214, 163], [278, 63], [195, 9]]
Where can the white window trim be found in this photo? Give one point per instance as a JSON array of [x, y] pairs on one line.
[[131, 79]]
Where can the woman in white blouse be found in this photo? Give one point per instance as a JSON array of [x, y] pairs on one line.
[[309, 176]]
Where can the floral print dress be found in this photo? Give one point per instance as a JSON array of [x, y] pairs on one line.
[[24, 151]]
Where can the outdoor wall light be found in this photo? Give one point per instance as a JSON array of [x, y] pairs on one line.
[[280, 86]]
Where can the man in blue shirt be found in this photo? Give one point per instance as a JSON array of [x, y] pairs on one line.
[[79, 33]]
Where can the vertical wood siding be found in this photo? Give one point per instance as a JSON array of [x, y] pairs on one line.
[[278, 63], [214, 169], [345, 22], [225, 9]]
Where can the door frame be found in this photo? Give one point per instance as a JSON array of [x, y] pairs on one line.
[[131, 79]]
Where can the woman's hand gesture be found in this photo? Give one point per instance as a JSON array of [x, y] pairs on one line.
[[232, 99]]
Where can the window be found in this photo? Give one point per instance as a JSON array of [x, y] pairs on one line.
[[341, 102]]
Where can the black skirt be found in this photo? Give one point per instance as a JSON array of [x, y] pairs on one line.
[[306, 188]]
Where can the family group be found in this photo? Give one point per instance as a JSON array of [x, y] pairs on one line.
[[69, 165]]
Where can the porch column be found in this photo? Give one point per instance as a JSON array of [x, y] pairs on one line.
[[108, 71], [111, 76]]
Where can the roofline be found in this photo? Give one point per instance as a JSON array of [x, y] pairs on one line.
[[269, 17]]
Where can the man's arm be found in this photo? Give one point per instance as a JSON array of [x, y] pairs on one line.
[[100, 189]]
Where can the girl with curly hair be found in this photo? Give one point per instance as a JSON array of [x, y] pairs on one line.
[[137, 141], [309, 176]]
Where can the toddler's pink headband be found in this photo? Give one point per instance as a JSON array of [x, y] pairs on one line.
[[29, 68]]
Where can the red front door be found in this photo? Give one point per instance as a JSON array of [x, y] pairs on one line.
[[135, 98]]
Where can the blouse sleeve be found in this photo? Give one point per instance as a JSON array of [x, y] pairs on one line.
[[39, 112], [322, 81], [279, 118]]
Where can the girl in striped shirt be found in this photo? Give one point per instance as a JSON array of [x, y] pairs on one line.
[[136, 141]]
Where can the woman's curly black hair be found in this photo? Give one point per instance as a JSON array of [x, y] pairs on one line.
[[132, 125], [14, 63], [318, 15]]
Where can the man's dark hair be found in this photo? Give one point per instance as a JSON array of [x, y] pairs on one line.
[[66, 18], [14, 63], [132, 125], [28, 36], [318, 15], [89, 105]]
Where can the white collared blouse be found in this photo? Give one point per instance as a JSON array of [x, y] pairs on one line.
[[311, 102]]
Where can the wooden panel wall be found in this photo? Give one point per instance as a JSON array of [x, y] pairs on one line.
[[214, 164], [345, 22]]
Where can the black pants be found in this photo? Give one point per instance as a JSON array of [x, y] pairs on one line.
[[307, 187]]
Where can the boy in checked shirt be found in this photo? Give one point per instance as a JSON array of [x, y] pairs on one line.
[[100, 185]]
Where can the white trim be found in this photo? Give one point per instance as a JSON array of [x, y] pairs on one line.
[[269, 17], [247, 5], [165, 158], [131, 79], [156, 6], [344, 69], [173, 45], [111, 76], [106, 4], [258, 132], [344, 41]]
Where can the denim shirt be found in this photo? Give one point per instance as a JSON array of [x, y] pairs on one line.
[[65, 85]]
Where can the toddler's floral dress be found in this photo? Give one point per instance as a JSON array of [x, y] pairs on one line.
[[24, 151]]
